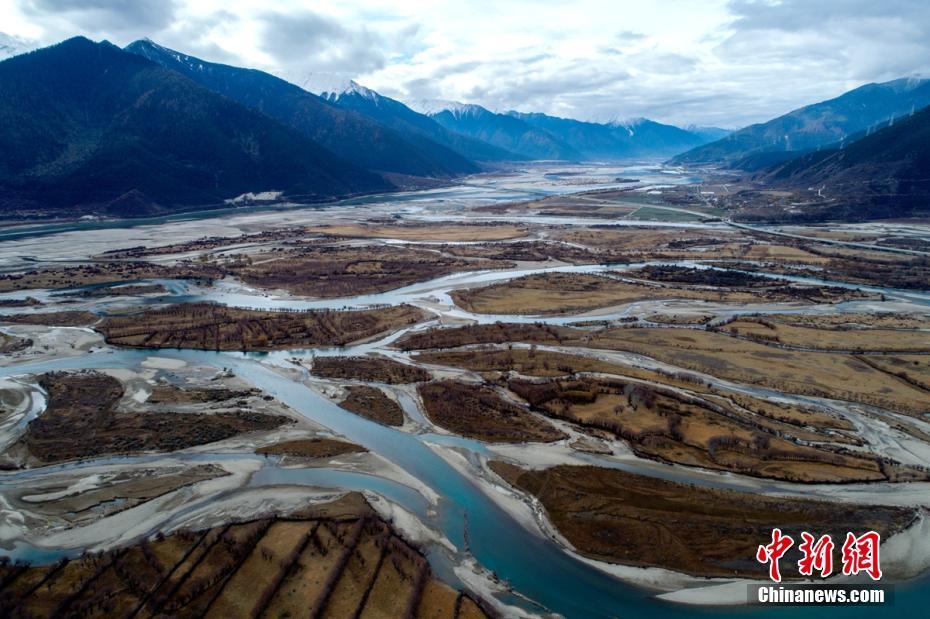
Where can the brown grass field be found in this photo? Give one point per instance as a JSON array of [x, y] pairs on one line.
[[885, 320], [333, 560], [370, 369], [773, 330], [709, 432], [204, 244], [535, 251], [477, 411], [422, 232], [680, 319], [497, 333], [555, 293], [807, 423], [52, 319], [681, 244], [372, 403], [102, 273], [82, 420], [311, 448], [206, 326], [855, 266], [757, 251], [338, 270], [627, 518], [823, 374]]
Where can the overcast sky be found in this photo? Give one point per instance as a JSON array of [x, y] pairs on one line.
[[710, 62]]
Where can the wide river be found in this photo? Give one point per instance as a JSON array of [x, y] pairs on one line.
[[541, 574]]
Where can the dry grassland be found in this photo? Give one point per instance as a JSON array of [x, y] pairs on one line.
[[626, 518]]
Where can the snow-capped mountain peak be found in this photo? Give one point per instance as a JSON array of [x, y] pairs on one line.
[[147, 48], [629, 123], [435, 106], [333, 86]]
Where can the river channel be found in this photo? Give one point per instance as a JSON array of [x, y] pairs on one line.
[[542, 576]]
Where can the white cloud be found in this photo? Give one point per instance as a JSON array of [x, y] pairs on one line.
[[710, 62]]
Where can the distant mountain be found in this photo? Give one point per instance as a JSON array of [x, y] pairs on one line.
[[353, 136], [867, 108], [640, 137], [884, 174], [589, 140], [540, 136], [416, 127], [87, 127], [502, 130], [708, 134]]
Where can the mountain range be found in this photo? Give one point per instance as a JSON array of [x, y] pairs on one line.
[[862, 110], [503, 131], [91, 128], [541, 136], [352, 135], [398, 116], [616, 140], [883, 174], [88, 127]]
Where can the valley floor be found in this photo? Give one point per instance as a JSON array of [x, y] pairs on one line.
[[507, 397]]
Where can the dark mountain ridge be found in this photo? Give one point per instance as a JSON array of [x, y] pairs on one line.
[[351, 135], [867, 108], [413, 125], [88, 127], [884, 174], [541, 136], [506, 132], [596, 141]]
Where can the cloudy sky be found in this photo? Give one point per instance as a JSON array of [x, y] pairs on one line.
[[710, 62]]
